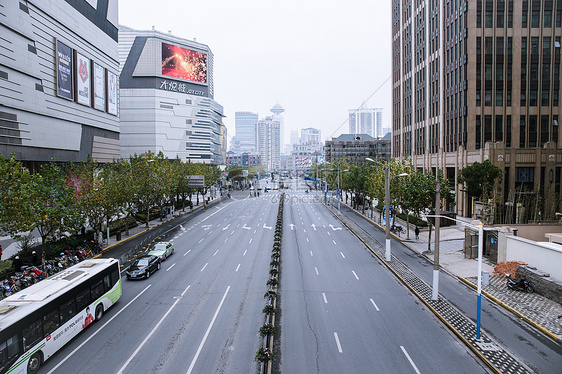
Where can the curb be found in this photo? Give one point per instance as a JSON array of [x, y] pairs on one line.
[[514, 311]]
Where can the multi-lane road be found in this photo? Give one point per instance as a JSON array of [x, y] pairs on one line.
[[340, 310]]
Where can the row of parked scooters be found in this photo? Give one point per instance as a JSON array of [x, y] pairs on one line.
[[32, 274]]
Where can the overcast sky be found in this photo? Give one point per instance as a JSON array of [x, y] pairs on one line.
[[317, 59]]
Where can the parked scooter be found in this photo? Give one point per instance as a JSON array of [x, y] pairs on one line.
[[519, 285]]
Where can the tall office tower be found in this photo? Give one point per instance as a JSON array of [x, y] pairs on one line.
[[59, 70], [268, 142], [245, 125], [167, 98], [479, 80], [365, 121], [277, 110]]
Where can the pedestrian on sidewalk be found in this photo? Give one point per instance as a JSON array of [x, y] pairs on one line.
[[417, 232]]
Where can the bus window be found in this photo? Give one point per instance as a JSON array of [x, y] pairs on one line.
[[8, 350], [107, 282], [114, 277], [67, 311], [97, 290], [32, 334], [83, 299], [51, 322]]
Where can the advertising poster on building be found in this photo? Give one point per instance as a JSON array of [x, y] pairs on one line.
[[184, 63], [83, 80], [99, 87], [111, 93], [64, 71]]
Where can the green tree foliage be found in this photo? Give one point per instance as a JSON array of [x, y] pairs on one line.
[[479, 179], [14, 192]]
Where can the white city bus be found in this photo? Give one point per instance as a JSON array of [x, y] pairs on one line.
[[39, 320]]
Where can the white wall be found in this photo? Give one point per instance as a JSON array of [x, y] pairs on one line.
[[545, 256]]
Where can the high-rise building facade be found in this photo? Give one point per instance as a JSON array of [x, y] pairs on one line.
[[311, 136], [479, 80], [268, 142], [366, 121], [167, 98], [245, 127], [58, 81]]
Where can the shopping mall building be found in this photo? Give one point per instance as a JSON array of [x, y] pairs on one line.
[[166, 97], [59, 81]]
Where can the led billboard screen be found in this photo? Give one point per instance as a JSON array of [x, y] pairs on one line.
[[111, 93], [184, 63]]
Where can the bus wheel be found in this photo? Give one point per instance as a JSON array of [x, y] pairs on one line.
[[99, 312], [34, 363]]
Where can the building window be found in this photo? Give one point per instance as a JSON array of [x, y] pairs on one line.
[[499, 97], [479, 14], [524, 45], [508, 131], [488, 98], [546, 45], [489, 19], [478, 132], [508, 97], [545, 97], [534, 45], [533, 97], [478, 97], [522, 132], [544, 130], [532, 131], [499, 129], [534, 76], [555, 128], [547, 18], [559, 18], [535, 18], [525, 14], [499, 18], [510, 14], [487, 129]]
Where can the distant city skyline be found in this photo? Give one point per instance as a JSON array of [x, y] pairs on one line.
[[285, 58]]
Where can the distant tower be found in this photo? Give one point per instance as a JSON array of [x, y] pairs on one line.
[[277, 110]]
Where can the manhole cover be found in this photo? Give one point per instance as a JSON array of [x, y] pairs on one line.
[[488, 346]]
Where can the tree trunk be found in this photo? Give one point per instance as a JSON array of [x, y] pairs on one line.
[[147, 216]]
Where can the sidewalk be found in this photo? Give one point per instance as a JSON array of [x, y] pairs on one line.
[[11, 247], [535, 309]]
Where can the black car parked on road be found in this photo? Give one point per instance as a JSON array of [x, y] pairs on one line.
[[142, 267]]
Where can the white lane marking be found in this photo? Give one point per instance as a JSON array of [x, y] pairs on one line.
[[225, 240], [311, 254], [304, 231], [217, 251], [329, 233], [205, 266], [238, 225], [201, 240], [335, 242], [184, 291], [187, 253], [207, 333], [232, 232], [409, 359], [324, 297], [96, 332], [356, 277], [341, 253], [246, 251], [307, 240], [316, 270], [375, 305], [226, 227], [338, 342], [250, 240], [174, 264], [148, 336], [238, 267], [255, 231]]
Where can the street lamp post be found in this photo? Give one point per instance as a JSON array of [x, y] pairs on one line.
[[435, 291], [480, 228]]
